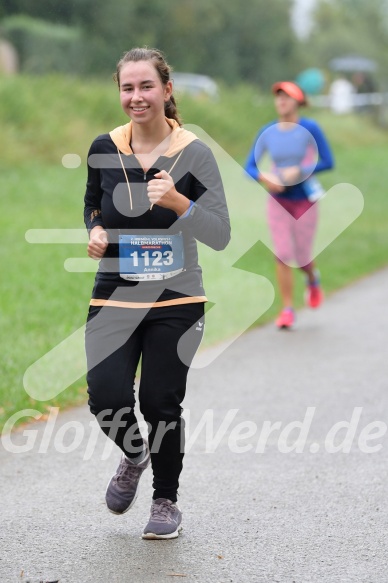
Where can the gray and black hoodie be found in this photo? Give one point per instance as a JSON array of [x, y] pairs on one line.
[[116, 199]]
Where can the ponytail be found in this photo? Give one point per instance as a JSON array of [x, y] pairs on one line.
[[171, 110]]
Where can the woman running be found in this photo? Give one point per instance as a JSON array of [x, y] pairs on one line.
[[297, 148], [153, 189]]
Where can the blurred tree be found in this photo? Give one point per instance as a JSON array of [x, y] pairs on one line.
[[222, 38], [349, 27], [44, 46], [69, 12]]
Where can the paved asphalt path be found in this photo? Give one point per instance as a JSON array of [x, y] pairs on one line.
[[310, 515]]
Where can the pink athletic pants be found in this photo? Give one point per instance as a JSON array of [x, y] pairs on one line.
[[293, 225]]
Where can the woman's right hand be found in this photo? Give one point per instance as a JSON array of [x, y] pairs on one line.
[[271, 182], [98, 242]]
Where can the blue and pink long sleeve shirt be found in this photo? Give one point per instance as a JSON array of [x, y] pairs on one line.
[[303, 145]]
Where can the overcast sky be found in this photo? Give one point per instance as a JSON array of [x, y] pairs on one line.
[[301, 19]]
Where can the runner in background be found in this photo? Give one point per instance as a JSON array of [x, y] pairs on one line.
[[297, 150], [153, 189]]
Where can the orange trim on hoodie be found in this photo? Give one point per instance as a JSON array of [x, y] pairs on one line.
[[179, 138], [161, 304]]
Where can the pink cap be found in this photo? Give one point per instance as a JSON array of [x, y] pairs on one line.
[[291, 89]]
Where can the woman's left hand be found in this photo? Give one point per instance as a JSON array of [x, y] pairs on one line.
[[290, 175], [161, 190]]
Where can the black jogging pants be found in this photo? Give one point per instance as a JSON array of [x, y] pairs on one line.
[[117, 339]]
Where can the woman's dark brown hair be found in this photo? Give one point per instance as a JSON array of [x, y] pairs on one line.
[[162, 67]]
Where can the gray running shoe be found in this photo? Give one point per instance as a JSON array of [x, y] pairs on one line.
[[165, 520], [123, 487]]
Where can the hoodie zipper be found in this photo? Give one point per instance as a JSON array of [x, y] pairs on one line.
[[144, 174]]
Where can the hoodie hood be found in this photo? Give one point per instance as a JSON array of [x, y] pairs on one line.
[[179, 139]]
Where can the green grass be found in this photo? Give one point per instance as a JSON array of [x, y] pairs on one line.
[[41, 303]]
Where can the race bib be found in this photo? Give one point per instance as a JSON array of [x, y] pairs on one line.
[[313, 189], [150, 257]]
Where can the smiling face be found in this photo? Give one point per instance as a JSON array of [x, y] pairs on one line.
[[286, 106], [142, 93]]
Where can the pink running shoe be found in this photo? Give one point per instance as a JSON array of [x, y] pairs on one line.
[[314, 295], [286, 318]]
